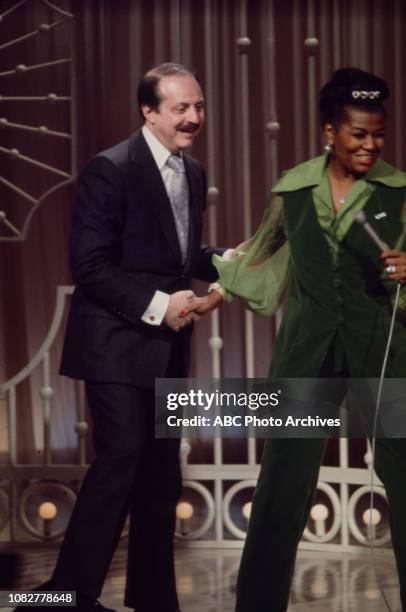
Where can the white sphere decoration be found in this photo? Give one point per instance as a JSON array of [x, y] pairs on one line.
[[47, 511], [14, 153], [273, 128], [311, 43], [355, 530], [44, 27], [184, 511], [319, 512], [42, 531], [243, 43], [194, 534], [212, 196], [3, 122], [52, 97], [46, 392], [81, 428], [21, 68], [368, 458], [212, 193], [216, 343], [372, 517], [2, 215], [246, 510]]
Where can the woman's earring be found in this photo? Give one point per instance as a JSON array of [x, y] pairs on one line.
[[328, 148]]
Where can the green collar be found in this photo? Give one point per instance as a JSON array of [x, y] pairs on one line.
[[310, 174]]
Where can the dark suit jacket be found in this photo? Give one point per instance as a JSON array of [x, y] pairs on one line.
[[124, 247]]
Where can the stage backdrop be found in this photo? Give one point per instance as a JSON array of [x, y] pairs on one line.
[[261, 64]]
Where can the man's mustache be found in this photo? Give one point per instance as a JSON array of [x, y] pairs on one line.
[[189, 127]]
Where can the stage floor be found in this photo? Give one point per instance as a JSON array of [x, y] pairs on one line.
[[324, 582]]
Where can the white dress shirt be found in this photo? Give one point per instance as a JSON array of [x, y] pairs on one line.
[[155, 312]]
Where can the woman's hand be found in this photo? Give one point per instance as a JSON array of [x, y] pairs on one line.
[[395, 265], [202, 305]]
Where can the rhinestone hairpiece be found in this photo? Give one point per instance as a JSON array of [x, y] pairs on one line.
[[371, 95]]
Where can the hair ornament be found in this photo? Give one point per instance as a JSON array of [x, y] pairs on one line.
[[364, 95]]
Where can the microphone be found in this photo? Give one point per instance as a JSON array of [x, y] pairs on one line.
[[361, 218]]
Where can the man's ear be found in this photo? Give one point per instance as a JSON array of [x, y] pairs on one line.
[[149, 114], [329, 133]]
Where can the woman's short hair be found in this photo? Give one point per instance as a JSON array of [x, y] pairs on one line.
[[148, 89], [351, 88]]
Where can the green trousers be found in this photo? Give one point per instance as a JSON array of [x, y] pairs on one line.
[[280, 510], [283, 499]]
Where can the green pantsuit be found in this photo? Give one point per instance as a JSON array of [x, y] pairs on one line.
[[339, 303]]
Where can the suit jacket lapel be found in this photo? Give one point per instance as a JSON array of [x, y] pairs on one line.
[[149, 179]]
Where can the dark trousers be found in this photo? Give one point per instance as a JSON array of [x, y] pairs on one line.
[[133, 473], [282, 503]]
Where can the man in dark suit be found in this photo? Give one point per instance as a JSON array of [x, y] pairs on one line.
[[136, 245]]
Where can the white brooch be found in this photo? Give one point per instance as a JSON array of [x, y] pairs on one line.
[[372, 95], [380, 215]]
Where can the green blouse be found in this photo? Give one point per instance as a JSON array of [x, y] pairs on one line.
[[260, 273]]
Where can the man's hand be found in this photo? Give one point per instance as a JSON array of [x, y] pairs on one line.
[[202, 305], [179, 302]]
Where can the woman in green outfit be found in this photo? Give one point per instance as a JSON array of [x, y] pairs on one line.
[[340, 289]]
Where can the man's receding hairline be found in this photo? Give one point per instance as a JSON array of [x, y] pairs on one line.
[[171, 76]]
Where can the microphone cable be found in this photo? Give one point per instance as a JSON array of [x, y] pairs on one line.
[[373, 445]]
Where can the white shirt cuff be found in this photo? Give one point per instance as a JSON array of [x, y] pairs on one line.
[[154, 314], [217, 287]]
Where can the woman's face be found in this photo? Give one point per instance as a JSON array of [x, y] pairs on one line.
[[357, 142]]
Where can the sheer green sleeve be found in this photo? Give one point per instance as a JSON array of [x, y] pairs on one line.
[[260, 272]]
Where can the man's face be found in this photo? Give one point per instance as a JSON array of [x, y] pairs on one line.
[[180, 114]]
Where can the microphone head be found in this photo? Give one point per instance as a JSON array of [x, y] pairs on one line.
[[360, 217]]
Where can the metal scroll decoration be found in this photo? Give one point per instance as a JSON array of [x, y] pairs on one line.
[[22, 102]]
